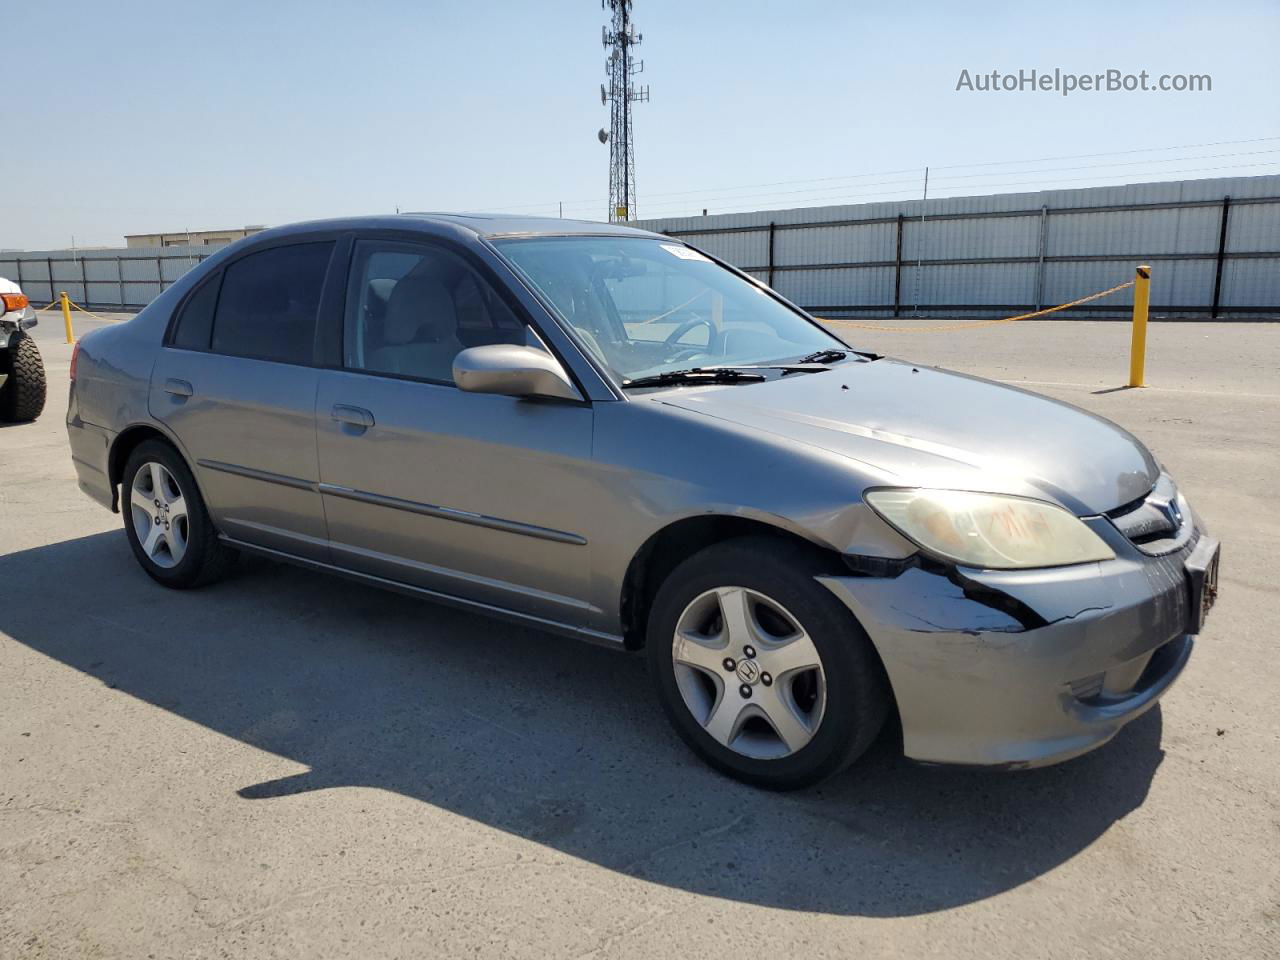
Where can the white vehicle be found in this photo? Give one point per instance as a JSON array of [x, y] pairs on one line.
[[22, 383]]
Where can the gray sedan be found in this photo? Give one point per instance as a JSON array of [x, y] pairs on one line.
[[607, 433]]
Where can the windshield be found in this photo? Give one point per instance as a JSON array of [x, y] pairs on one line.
[[643, 306]]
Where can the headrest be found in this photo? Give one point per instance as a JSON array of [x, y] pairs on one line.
[[381, 288], [420, 308]]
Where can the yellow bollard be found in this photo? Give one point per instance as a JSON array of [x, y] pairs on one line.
[[66, 316], [1138, 345]]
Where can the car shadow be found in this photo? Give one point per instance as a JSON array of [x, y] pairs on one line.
[[547, 738]]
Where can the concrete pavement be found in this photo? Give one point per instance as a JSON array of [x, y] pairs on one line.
[[289, 765]]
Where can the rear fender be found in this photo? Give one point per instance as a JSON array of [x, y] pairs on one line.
[[126, 439]]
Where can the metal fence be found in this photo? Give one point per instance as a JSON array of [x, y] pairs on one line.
[[118, 279], [1214, 246]]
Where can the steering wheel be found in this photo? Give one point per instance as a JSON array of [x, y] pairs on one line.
[[674, 337], [692, 353]]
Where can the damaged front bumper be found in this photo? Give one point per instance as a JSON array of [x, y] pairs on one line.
[[1024, 668]]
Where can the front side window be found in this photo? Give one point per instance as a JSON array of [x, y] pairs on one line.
[[411, 308], [269, 301], [642, 305]]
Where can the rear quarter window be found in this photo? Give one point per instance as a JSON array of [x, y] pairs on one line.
[[268, 303], [194, 325]]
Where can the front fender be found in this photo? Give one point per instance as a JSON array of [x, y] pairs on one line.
[[658, 465]]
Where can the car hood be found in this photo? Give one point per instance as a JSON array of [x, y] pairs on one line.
[[910, 425]]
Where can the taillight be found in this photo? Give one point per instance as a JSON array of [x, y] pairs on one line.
[[75, 355], [14, 301]]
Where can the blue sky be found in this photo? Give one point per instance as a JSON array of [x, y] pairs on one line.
[[129, 117]]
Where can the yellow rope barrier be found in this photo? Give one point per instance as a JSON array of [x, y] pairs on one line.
[[72, 305], [77, 306], [1137, 351], [969, 324]]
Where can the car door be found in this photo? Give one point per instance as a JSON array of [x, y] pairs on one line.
[[472, 495], [236, 383]]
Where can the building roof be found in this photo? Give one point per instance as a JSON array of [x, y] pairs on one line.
[[251, 228]]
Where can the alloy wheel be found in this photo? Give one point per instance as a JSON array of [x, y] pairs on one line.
[[748, 672], [159, 512]]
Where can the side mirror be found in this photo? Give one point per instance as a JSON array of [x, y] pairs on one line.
[[512, 370]]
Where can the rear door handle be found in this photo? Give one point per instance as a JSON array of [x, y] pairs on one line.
[[177, 388], [355, 416]]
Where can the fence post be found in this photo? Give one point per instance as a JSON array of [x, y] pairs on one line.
[[1044, 229], [1222, 255], [773, 228], [1138, 343], [84, 282], [66, 316], [897, 272], [120, 278]]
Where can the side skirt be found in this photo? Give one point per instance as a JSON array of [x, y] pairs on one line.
[[613, 641]]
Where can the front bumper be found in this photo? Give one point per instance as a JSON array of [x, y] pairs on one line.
[[1030, 667], [11, 324]]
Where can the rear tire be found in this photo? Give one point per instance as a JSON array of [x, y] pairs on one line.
[[166, 521], [23, 394], [730, 617]]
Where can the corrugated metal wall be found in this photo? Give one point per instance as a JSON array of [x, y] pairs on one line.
[[1009, 253], [128, 277], [959, 256]]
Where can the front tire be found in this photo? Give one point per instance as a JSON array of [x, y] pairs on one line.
[[23, 394], [760, 668], [166, 521]]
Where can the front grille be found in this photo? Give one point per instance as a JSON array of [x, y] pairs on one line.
[[1159, 522]]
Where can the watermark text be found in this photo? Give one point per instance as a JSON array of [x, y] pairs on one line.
[[1066, 83]]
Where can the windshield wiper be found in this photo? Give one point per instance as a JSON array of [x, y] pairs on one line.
[[695, 375], [823, 356]]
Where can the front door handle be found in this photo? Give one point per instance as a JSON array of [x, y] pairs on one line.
[[354, 416], [177, 388]]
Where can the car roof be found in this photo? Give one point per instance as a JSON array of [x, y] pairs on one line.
[[502, 224], [479, 224]]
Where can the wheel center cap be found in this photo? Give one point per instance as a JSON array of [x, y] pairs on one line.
[[748, 672]]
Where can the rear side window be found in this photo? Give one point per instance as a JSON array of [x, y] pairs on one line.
[[195, 322], [268, 304]]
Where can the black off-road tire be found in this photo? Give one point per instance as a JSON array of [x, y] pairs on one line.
[[206, 559], [23, 394], [857, 690]]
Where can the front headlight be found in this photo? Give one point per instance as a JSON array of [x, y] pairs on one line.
[[988, 529]]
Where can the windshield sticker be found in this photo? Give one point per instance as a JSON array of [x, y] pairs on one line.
[[684, 253]]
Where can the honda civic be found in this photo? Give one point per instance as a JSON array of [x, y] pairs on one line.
[[607, 433]]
